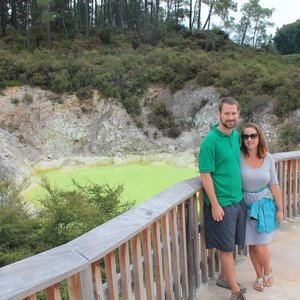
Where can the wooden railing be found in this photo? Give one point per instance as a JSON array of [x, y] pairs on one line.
[[153, 251]]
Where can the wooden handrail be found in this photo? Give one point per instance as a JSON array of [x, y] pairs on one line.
[[153, 251]]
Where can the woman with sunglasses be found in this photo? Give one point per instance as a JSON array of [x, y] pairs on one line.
[[263, 200]]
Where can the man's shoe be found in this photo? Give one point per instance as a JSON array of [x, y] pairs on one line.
[[223, 283], [238, 296]]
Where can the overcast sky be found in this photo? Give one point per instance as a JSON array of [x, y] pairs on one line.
[[286, 11]]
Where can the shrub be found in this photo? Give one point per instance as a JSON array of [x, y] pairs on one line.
[[289, 137], [163, 119], [18, 226], [27, 99], [253, 104], [60, 81], [131, 104], [70, 213], [84, 93], [14, 100]]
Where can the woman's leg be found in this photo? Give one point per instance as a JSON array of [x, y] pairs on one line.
[[263, 256], [255, 261]]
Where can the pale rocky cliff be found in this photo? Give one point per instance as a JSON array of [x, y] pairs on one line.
[[40, 128]]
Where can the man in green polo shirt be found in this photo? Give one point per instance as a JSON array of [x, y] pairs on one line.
[[224, 210]]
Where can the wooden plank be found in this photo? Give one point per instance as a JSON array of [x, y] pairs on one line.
[[281, 179], [165, 232], [148, 263], [86, 279], [286, 155], [183, 250], [294, 188], [190, 249], [111, 276], [117, 231], [157, 261], [45, 269], [203, 251], [97, 280], [125, 272], [211, 262], [53, 292], [196, 242], [298, 187], [137, 268], [284, 189], [74, 287], [32, 297], [175, 254], [290, 187]]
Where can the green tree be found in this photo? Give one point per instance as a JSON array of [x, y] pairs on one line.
[[220, 8], [19, 228], [251, 30], [289, 137], [287, 38], [66, 214], [46, 18]]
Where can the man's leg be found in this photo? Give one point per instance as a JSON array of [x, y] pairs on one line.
[[228, 270]]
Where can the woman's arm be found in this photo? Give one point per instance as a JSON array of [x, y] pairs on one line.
[[276, 191]]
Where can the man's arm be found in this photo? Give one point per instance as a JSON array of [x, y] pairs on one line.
[[216, 209]]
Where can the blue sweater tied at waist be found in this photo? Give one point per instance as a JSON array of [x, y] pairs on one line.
[[264, 211]]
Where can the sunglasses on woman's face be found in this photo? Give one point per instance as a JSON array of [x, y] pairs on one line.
[[252, 136]]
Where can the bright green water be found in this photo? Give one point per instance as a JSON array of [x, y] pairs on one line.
[[140, 181]]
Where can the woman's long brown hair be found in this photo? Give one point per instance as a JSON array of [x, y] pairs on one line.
[[262, 147]]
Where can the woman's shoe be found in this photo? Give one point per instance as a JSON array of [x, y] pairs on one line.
[[268, 280], [259, 284]]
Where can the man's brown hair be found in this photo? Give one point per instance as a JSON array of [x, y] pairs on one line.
[[228, 100]]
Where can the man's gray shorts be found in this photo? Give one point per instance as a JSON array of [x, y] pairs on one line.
[[224, 235]]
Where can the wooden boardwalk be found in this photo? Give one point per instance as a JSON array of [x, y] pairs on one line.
[[285, 249]]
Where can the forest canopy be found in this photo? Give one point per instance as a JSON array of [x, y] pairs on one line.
[[39, 21]]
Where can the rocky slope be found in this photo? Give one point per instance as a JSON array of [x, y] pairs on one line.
[[40, 129]]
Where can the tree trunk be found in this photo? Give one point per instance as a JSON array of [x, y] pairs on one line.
[[244, 35], [3, 17], [109, 12], [199, 15], [120, 14], [48, 32], [87, 17], [62, 16], [13, 14], [138, 17], [27, 25], [145, 18], [155, 24], [209, 14], [191, 15]]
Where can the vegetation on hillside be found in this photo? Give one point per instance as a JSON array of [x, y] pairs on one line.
[[118, 70], [64, 215], [120, 48]]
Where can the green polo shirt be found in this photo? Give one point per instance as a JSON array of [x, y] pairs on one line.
[[219, 155]]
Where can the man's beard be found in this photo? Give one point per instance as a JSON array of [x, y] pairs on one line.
[[226, 126]]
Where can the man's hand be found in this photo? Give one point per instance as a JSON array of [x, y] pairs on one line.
[[217, 212]]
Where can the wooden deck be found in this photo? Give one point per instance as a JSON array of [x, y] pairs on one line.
[[157, 251], [285, 264]]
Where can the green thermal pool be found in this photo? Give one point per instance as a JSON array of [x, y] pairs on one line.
[[140, 181]]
